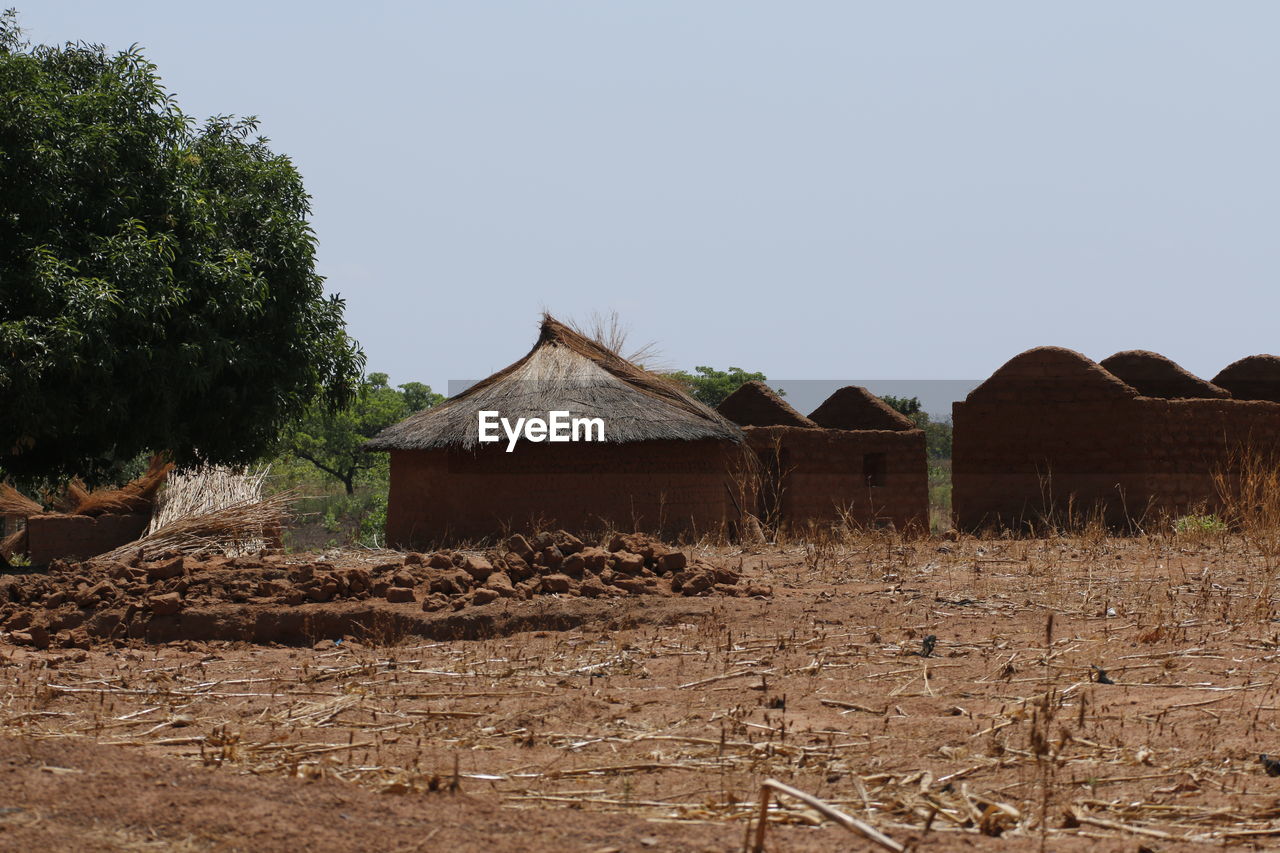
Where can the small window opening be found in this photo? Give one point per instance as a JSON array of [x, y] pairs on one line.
[[874, 468]]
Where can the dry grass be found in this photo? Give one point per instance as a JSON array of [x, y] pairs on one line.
[[1249, 493], [135, 496], [14, 543], [199, 491], [13, 502], [1004, 730], [240, 528]]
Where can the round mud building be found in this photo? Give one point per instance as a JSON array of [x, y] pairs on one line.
[[665, 464]]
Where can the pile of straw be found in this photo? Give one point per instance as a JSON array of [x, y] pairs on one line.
[[240, 528], [135, 496], [212, 509], [14, 502], [199, 491]]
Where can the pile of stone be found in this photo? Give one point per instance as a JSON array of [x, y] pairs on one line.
[[561, 564], [75, 603]]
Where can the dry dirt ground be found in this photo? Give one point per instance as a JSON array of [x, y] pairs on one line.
[[1080, 693]]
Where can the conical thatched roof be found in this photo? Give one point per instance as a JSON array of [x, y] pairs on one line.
[[1255, 377], [1157, 376], [756, 404], [565, 371], [854, 407]]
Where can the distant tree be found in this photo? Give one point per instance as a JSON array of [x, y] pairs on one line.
[[711, 386], [157, 278], [416, 395], [937, 434], [909, 406], [331, 440], [937, 438]]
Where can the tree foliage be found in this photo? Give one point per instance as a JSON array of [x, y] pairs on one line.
[[157, 279], [711, 386], [937, 434], [909, 406], [332, 441]]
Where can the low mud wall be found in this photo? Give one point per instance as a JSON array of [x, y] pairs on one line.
[[825, 476]]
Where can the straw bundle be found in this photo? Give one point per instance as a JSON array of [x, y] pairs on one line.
[[14, 543], [13, 502], [240, 528], [135, 496], [199, 491]]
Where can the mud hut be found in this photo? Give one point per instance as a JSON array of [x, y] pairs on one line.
[[665, 463], [1255, 377], [1154, 375], [756, 404]]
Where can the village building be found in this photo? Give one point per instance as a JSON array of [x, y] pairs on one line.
[[1053, 437], [854, 461], [666, 464]]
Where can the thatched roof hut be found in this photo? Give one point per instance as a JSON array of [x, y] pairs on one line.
[[1154, 375], [756, 404], [1254, 377], [565, 371], [666, 462], [854, 407]]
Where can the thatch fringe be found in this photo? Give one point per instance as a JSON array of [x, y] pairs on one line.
[[565, 371]]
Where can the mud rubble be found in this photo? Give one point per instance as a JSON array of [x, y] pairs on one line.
[[77, 604]]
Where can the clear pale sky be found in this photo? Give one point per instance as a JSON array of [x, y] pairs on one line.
[[871, 190]]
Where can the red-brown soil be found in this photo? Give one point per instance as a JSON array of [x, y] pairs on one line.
[[647, 721]]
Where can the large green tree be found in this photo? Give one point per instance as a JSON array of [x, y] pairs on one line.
[[157, 277], [333, 441]]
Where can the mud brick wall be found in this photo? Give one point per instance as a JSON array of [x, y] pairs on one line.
[[1186, 442], [1025, 460], [78, 537], [1061, 451], [668, 487], [822, 476]]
